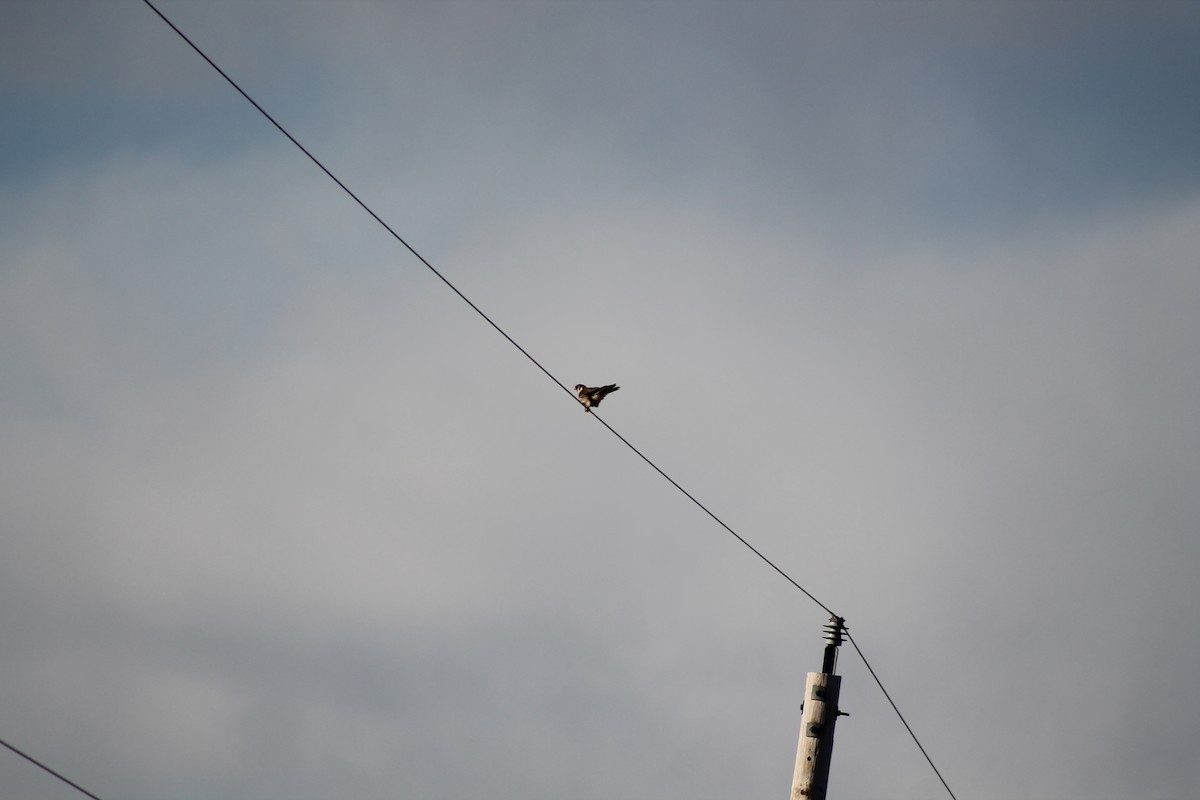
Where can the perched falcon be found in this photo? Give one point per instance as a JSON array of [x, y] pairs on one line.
[[592, 395]]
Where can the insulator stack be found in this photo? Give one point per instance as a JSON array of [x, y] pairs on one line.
[[834, 629]]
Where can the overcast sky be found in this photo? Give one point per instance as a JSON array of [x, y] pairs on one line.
[[908, 293]]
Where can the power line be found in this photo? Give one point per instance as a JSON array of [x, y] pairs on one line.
[[547, 372], [467, 300], [37, 763], [704, 508], [353, 196], [891, 702]]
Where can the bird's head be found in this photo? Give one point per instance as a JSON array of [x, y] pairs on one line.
[[579, 387]]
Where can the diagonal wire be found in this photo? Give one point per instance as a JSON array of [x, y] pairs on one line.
[[37, 763], [891, 702], [704, 508], [547, 372], [446, 281], [353, 196]]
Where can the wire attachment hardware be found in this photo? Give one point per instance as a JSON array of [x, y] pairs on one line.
[[834, 630]]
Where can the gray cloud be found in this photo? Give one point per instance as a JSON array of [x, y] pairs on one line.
[[283, 517]]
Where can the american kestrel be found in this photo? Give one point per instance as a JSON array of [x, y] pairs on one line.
[[592, 395]]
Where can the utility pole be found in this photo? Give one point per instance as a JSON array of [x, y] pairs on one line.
[[819, 715]]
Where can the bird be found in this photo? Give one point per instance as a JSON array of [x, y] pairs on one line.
[[592, 395]]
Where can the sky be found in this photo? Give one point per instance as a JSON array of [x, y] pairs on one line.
[[904, 292]]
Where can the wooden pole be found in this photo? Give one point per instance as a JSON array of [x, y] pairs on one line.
[[821, 690]]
